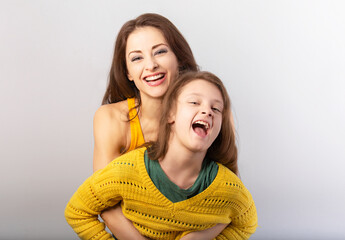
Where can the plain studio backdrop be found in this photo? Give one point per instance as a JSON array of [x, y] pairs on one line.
[[283, 63]]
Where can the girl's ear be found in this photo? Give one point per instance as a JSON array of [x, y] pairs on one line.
[[171, 118]]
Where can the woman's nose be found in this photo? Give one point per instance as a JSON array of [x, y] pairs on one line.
[[151, 64]]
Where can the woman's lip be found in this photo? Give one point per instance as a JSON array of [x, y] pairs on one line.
[[154, 83], [152, 75]]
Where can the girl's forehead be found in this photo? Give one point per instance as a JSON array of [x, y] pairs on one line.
[[201, 88]]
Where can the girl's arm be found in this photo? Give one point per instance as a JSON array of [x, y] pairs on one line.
[[110, 134], [82, 210], [244, 224]]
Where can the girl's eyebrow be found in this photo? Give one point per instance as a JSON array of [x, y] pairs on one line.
[[200, 95], [153, 47]]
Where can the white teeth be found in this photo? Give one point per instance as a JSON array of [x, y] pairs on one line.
[[154, 77], [206, 124]]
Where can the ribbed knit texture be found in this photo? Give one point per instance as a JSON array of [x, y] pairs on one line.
[[125, 179], [137, 137]]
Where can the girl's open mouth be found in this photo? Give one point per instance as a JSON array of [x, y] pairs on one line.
[[201, 128]]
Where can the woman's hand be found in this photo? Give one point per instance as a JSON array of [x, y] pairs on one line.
[[119, 225], [207, 234]]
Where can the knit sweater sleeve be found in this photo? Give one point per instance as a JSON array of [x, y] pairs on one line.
[[91, 198], [243, 214], [241, 227]]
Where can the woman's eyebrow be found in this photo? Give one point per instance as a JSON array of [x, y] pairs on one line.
[[134, 51], [153, 47], [159, 44]]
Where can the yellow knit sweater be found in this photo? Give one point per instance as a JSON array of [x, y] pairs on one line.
[[125, 179]]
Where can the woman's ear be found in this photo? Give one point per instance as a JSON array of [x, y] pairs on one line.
[[129, 76]]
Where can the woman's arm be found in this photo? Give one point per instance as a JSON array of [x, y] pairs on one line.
[[118, 221], [109, 135], [111, 131], [207, 234]]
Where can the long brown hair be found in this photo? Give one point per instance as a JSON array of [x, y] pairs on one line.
[[223, 149], [119, 87]]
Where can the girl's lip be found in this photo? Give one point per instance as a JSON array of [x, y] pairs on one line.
[[202, 121], [206, 128]]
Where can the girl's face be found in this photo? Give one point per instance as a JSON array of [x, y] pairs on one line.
[[151, 64], [198, 116]]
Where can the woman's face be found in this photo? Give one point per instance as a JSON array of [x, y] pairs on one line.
[[197, 120], [151, 64]]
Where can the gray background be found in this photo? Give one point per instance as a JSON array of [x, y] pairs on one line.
[[282, 62]]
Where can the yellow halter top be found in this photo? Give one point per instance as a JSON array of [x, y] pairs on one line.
[[137, 137]]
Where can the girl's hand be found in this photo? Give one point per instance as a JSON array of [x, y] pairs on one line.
[[119, 225], [207, 234]]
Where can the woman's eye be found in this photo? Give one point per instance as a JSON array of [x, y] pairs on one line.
[[161, 51], [136, 58]]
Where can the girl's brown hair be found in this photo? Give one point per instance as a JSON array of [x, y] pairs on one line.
[[223, 149], [119, 87]]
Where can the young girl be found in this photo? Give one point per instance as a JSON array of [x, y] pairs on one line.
[[182, 183]]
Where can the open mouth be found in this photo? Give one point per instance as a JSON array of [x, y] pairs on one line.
[[155, 77], [201, 127]]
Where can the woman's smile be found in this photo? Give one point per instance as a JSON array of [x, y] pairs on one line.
[[151, 64], [155, 79]]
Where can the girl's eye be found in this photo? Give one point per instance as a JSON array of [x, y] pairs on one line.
[[161, 51], [216, 109], [136, 58], [194, 103]]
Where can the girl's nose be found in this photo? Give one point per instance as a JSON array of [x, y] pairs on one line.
[[207, 112]]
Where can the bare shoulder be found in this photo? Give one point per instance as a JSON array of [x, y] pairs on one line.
[[110, 112], [111, 125]]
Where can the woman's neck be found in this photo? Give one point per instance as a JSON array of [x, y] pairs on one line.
[[149, 115], [150, 108], [181, 166]]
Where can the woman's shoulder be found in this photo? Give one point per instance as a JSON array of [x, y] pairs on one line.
[[111, 126], [113, 111]]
